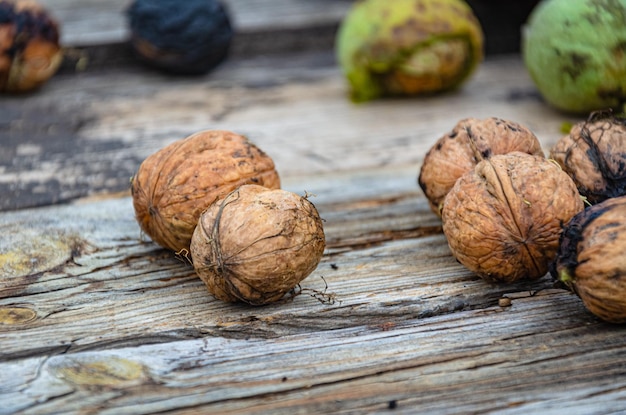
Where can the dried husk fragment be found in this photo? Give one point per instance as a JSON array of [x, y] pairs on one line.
[[470, 141], [177, 183], [503, 218], [257, 244], [594, 155], [591, 260]]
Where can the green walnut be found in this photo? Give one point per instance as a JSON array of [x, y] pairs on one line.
[[408, 47], [575, 52]]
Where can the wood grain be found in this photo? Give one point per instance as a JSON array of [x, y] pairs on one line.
[[107, 268], [93, 22], [88, 133], [118, 325], [537, 355]]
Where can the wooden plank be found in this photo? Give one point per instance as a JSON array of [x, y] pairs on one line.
[[93, 22], [94, 318], [88, 133], [95, 284], [90, 23], [542, 354]]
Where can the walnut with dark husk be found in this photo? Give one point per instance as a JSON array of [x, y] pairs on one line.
[[591, 260], [594, 155], [177, 183], [30, 53], [503, 219], [257, 244], [187, 37], [470, 141]]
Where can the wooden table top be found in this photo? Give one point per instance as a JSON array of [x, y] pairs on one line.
[[95, 318]]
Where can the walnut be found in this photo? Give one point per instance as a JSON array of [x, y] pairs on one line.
[[469, 142], [189, 37], [503, 218], [177, 183], [30, 52], [591, 259], [594, 155], [257, 244]]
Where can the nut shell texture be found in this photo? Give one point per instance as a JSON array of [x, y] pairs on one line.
[[30, 53], [257, 244], [503, 219], [177, 183], [592, 260], [594, 155], [470, 141]]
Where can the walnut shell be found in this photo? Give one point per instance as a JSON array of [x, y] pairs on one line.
[[257, 244], [503, 218], [469, 142], [177, 183], [591, 259], [30, 52], [594, 155]]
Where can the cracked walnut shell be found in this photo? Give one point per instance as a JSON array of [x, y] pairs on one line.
[[503, 218], [470, 141], [177, 183], [594, 155], [257, 244]]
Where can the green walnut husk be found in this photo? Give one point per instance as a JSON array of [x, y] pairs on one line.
[[575, 52], [408, 47], [591, 260]]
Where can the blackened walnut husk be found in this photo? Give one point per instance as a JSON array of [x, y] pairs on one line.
[[591, 260], [469, 142], [187, 37], [594, 155], [29, 46], [256, 244], [503, 219]]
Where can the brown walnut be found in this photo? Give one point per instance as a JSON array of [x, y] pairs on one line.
[[591, 259], [177, 183], [594, 155], [257, 244], [469, 142], [503, 218]]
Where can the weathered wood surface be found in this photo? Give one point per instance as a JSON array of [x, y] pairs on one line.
[[93, 319], [87, 133], [96, 319], [265, 26], [95, 22]]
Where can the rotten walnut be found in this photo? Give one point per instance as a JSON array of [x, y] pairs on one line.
[[503, 219], [469, 142], [594, 155], [257, 244], [177, 183], [591, 260], [30, 52]]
